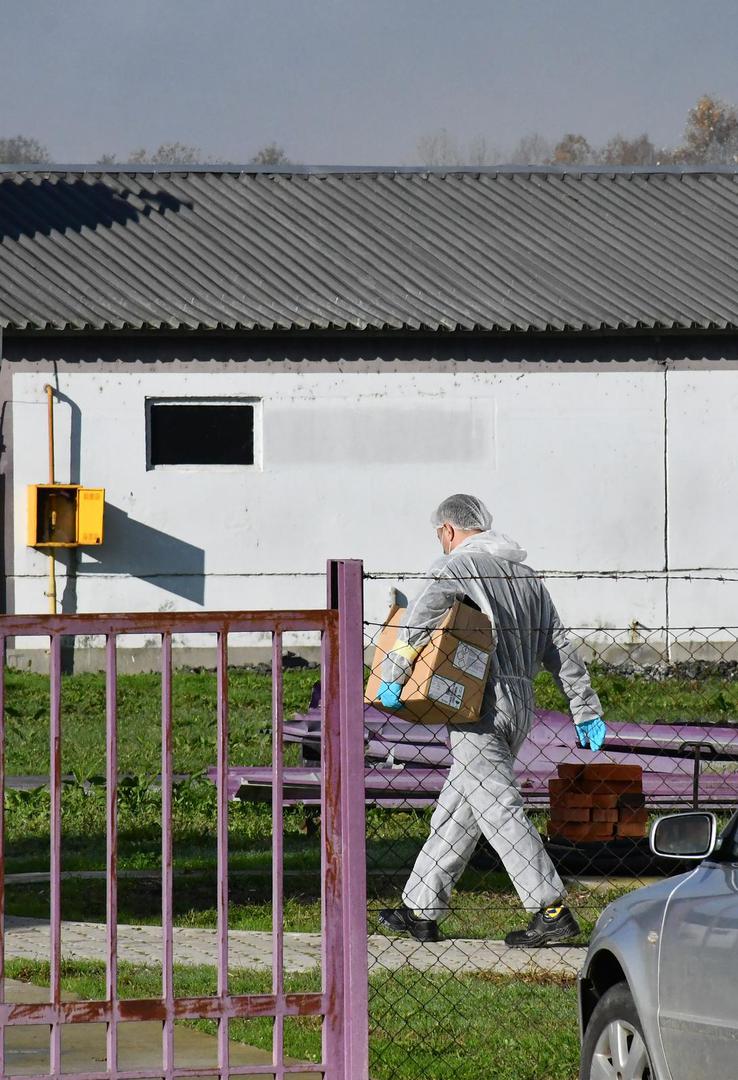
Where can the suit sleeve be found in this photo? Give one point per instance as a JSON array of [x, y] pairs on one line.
[[424, 614], [562, 659]]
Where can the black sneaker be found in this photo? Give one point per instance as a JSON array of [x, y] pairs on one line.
[[402, 921], [547, 927]]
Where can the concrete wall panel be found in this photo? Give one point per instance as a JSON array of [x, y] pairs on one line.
[[571, 464]]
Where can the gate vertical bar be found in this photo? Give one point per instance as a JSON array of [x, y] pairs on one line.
[[111, 900], [345, 578], [2, 847], [55, 852], [222, 797], [277, 855], [351, 662], [332, 846], [166, 855]]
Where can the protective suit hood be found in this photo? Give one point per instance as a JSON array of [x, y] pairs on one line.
[[492, 543]]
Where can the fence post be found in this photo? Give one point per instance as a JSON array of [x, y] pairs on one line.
[[345, 593]]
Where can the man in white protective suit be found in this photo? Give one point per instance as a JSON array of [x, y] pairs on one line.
[[480, 795]]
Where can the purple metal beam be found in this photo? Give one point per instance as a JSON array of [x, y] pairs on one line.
[[2, 848], [353, 814], [199, 1071], [185, 622], [222, 827], [383, 783], [277, 857], [331, 849], [55, 1063], [234, 1006], [111, 795], [167, 877]]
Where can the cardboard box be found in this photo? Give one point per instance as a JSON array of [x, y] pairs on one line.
[[447, 682]]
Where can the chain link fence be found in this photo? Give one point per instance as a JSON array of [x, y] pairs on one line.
[[474, 834], [469, 834]]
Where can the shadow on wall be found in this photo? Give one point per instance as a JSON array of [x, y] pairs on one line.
[[133, 549], [32, 206]]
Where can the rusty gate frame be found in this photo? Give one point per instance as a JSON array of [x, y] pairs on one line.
[[343, 1000]]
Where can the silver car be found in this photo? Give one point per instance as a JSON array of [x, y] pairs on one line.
[[658, 993]]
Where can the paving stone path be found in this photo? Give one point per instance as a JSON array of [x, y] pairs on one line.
[[142, 945]]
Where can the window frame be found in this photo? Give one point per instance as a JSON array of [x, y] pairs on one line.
[[240, 400]]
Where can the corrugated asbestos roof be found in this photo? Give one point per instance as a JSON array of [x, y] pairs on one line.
[[378, 250]]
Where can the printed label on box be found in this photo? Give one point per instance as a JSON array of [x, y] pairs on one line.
[[446, 691], [470, 660]]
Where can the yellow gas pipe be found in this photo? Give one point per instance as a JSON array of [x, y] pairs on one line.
[[52, 565]]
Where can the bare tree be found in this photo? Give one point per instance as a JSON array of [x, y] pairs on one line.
[[481, 152], [533, 149], [621, 151], [21, 150], [438, 148], [572, 150], [174, 153], [271, 154], [441, 148]]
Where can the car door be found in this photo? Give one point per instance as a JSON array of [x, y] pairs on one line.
[[698, 971]]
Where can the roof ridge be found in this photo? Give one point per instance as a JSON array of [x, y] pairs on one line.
[[231, 168]]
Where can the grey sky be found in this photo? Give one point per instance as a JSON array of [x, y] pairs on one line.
[[355, 81]]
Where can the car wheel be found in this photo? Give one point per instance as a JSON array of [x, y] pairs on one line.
[[614, 1047]]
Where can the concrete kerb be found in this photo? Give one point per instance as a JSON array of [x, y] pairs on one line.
[[29, 939]]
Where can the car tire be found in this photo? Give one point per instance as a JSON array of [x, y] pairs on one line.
[[614, 1047]]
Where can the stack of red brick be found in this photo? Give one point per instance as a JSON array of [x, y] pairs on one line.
[[597, 802]]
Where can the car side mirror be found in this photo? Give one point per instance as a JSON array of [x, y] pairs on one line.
[[684, 836]]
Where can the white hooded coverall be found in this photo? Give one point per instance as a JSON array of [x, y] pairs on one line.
[[480, 794]]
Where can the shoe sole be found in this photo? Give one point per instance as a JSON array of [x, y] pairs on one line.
[[554, 938], [393, 930]]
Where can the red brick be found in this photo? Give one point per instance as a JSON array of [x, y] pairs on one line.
[[571, 798], [626, 828], [609, 787], [609, 771], [604, 802], [634, 817], [633, 801], [560, 787], [585, 832], [571, 813], [604, 815], [570, 770]]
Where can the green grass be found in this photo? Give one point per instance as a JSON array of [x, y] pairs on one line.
[[645, 699], [139, 720], [423, 1026], [639, 698]]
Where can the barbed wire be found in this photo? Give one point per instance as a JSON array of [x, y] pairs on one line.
[[609, 630], [698, 574]]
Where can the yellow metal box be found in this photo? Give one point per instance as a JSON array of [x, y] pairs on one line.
[[90, 508], [65, 515]]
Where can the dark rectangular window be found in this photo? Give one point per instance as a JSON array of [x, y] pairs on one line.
[[201, 434]]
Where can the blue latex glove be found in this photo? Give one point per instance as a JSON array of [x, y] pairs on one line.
[[389, 694], [592, 733]]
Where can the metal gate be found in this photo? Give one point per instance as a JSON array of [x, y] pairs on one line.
[[342, 1001]]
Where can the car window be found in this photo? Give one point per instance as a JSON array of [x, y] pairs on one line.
[[728, 849]]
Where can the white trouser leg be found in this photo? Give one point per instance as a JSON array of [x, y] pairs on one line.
[[443, 858], [489, 786], [480, 796]]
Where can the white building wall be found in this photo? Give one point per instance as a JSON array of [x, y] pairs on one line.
[[570, 460], [703, 499]]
